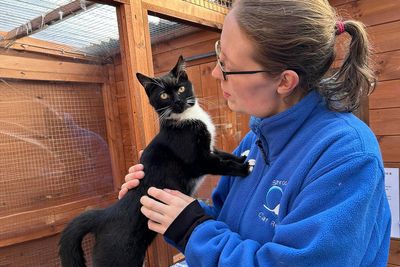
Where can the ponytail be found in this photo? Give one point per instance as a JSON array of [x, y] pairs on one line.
[[355, 79]]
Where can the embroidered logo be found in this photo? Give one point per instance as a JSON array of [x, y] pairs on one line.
[[272, 199]]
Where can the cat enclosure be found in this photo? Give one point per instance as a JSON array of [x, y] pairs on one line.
[[73, 116]]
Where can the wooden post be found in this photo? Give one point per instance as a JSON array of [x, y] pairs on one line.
[[136, 57]]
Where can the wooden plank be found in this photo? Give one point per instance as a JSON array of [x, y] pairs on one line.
[[195, 77], [28, 44], [339, 2], [385, 37], [187, 11], [394, 254], [385, 95], [48, 70], [390, 147], [37, 224], [385, 121], [184, 41], [44, 76], [392, 164], [164, 61], [134, 55], [210, 94], [371, 12], [118, 73], [114, 135], [112, 2], [387, 65]]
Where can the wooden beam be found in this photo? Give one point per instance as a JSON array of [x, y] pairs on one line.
[[51, 70], [112, 2], [113, 124], [39, 23], [29, 44], [136, 57], [211, 17], [48, 221]]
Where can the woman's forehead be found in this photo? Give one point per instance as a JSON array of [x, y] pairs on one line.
[[234, 42]]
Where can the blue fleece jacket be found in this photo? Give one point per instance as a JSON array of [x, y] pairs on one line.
[[315, 197]]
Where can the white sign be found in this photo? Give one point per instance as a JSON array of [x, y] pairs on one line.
[[393, 195]]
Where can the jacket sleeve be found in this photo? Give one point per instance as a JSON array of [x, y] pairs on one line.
[[330, 223]]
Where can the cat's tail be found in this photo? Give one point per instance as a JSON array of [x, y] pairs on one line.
[[70, 247]]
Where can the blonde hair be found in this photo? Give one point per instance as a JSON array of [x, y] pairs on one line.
[[300, 35]]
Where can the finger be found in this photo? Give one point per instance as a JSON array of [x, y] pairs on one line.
[[153, 205], [156, 227], [161, 195], [152, 215], [122, 193], [179, 194], [134, 176], [130, 184], [140, 153], [136, 167]]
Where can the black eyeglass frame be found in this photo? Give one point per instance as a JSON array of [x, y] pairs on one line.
[[226, 73]]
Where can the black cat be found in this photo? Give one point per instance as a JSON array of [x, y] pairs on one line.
[[176, 158]]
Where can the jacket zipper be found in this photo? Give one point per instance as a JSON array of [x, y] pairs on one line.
[[263, 152]]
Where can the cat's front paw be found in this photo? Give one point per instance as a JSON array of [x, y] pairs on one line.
[[245, 169], [242, 159]]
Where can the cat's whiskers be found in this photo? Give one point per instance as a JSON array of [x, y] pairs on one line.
[[160, 109], [191, 100], [165, 114]]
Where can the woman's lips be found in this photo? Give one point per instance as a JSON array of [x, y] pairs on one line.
[[226, 95]]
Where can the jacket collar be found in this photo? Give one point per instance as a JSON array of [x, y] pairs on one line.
[[275, 132]]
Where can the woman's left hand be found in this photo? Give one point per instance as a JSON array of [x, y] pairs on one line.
[[163, 212]]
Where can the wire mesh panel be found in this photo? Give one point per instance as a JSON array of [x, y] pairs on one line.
[[52, 138], [40, 253], [216, 5]]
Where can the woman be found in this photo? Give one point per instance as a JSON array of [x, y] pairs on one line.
[[316, 194]]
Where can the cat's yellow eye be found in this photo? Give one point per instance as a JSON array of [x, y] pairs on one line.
[[164, 96], [181, 89]]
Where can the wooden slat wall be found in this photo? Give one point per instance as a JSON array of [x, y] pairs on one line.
[[383, 21], [35, 231]]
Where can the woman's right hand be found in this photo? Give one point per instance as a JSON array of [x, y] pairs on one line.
[[135, 173]]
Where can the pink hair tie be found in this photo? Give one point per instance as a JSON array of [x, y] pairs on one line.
[[340, 27]]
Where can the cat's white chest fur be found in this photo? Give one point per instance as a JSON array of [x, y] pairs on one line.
[[197, 113]]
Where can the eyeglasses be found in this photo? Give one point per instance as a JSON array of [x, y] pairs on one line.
[[226, 73]]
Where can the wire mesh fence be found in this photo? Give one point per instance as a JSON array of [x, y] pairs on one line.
[[221, 6]]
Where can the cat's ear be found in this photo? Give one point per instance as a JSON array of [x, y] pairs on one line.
[[179, 69], [145, 82]]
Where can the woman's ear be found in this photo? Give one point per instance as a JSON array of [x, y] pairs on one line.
[[289, 81]]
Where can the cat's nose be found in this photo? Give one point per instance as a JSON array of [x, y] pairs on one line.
[[179, 107]]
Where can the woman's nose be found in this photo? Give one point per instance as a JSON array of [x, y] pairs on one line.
[[216, 72]]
